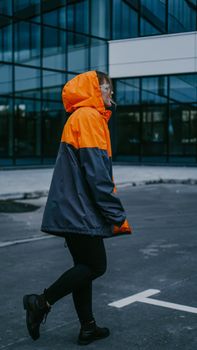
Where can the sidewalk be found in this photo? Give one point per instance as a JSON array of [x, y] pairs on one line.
[[31, 183]]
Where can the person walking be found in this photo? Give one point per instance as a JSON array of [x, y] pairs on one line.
[[82, 204]]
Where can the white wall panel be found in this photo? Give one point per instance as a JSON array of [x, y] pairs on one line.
[[164, 54], [196, 53]]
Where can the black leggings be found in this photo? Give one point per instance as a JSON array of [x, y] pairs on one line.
[[89, 258]]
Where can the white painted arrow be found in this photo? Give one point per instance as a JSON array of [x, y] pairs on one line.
[[143, 297]]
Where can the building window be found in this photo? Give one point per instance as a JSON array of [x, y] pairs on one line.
[[154, 90], [127, 91], [157, 119], [153, 17], [6, 79], [182, 16], [183, 116], [5, 39], [183, 88], [6, 7], [78, 16], [128, 133], [154, 124], [54, 48], [56, 18], [78, 52], [183, 131], [45, 43], [53, 83], [133, 18], [6, 129], [27, 9], [125, 19], [27, 82], [27, 136], [100, 18], [27, 43], [98, 55], [6, 113]]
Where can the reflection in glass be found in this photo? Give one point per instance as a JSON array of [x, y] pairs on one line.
[[27, 82], [27, 43], [128, 131], [155, 16], [127, 91], [125, 19], [5, 39], [26, 9], [27, 141], [183, 138], [152, 19], [6, 127], [101, 18], [146, 128], [98, 55], [54, 48], [51, 18], [53, 83], [154, 124], [6, 7], [78, 50], [56, 17], [182, 16], [154, 90], [6, 79], [78, 16], [183, 88]]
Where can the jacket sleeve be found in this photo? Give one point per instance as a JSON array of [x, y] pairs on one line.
[[95, 163]]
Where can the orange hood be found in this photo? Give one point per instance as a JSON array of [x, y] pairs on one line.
[[84, 91]]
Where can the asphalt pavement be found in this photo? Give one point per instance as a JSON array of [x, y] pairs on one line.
[[159, 256]]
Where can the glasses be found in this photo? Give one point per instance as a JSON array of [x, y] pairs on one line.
[[106, 88]]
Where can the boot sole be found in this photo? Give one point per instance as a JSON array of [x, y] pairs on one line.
[[25, 306], [86, 342]]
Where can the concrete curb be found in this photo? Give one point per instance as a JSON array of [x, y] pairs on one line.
[[23, 195], [39, 194]]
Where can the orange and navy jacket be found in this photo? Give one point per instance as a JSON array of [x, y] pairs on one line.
[[82, 197]]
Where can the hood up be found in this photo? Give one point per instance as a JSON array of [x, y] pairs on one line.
[[84, 91]]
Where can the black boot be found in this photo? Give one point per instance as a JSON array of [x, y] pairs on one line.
[[36, 310], [90, 332]]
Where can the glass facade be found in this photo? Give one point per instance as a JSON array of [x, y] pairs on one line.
[[43, 44], [156, 119], [135, 18]]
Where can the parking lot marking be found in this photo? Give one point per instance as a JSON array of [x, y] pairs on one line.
[[136, 297], [143, 297], [21, 241]]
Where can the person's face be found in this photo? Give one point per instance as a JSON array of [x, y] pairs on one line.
[[106, 92]]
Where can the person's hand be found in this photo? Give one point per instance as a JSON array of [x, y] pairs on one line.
[[124, 228]]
